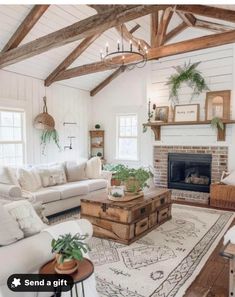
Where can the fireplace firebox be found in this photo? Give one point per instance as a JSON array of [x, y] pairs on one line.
[[190, 172]]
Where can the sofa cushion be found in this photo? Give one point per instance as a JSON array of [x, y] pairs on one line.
[[72, 189], [54, 175], [9, 228], [47, 195], [23, 212], [97, 184], [29, 179], [75, 171], [93, 168], [229, 179], [8, 176]]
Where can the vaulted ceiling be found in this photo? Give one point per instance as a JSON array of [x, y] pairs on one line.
[[158, 27]]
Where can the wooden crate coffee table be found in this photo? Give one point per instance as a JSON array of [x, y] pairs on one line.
[[126, 222]]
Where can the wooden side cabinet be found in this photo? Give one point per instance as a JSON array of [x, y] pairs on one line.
[[97, 143]]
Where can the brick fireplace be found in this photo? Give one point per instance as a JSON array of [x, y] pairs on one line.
[[219, 162]]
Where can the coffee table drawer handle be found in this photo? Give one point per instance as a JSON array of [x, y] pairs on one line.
[[162, 201], [143, 224]]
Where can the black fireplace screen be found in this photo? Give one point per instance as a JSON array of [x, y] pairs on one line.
[[189, 172]]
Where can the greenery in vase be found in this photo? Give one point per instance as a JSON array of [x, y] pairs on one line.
[[70, 247], [190, 75], [217, 123], [47, 136]]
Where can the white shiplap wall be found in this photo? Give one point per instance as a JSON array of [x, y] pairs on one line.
[[217, 66], [64, 104]]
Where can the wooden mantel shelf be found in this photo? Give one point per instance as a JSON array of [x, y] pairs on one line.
[[156, 127]]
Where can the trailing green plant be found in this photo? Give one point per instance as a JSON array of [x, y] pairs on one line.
[[141, 175], [47, 136], [70, 247], [217, 123], [187, 74], [113, 167]]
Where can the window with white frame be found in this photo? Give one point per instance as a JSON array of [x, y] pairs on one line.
[[127, 137], [11, 137]]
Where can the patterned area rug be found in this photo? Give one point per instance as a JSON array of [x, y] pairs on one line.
[[163, 263]]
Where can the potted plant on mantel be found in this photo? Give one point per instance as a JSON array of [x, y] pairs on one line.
[[69, 250]]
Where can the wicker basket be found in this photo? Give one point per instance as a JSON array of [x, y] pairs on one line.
[[222, 196], [44, 121]]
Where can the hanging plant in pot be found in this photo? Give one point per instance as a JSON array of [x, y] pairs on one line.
[[45, 122], [69, 251]]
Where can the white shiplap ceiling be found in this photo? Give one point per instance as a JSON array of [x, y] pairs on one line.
[[59, 16]]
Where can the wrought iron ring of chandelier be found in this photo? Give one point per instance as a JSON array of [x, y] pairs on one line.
[[119, 57]]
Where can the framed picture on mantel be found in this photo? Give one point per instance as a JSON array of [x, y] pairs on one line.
[[186, 113], [218, 105]]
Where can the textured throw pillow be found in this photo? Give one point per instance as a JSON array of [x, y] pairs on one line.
[[9, 228], [23, 212], [230, 179], [29, 179], [8, 176], [75, 171], [93, 168], [53, 176]]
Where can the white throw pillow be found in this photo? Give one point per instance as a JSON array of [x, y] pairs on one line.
[[75, 171], [23, 212], [8, 176], [29, 179], [230, 179], [9, 228], [53, 176], [93, 168]]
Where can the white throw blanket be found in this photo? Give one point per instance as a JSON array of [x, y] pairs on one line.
[[74, 228], [230, 236]]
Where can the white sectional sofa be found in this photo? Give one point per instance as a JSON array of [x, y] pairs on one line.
[[57, 192]]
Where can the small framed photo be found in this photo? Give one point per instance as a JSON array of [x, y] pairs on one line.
[[218, 105], [186, 113], [161, 114]]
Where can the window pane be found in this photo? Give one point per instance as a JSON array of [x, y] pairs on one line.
[[6, 118], [7, 134], [127, 148], [17, 134], [17, 119]]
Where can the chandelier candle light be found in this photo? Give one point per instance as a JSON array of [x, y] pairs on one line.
[[112, 58]]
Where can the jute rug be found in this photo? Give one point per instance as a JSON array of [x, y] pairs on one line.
[[163, 263]]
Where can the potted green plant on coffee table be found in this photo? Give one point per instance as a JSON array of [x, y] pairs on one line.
[[69, 250], [133, 179]]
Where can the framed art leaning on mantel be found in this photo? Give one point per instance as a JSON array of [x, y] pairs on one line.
[[186, 113], [218, 105]]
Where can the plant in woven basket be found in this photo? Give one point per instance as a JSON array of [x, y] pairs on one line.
[[133, 179], [217, 123], [187, 74], [47, 136]]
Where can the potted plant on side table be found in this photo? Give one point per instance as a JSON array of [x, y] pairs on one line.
[[69, 250]]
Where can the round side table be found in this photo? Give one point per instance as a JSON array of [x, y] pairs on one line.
[[85, 270]]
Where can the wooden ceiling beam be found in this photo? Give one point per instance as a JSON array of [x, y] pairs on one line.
[[135, 28], [174, 32], [212, 26], [165, 20], [70, 59], [28, 23], [209, 11], [122, 30], [108, 80], [188, 18], [154, 29], [156, 53], [79, 30]]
